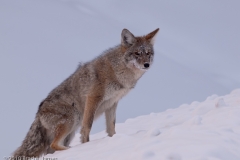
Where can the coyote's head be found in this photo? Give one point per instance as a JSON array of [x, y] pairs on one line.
[[138, 50]]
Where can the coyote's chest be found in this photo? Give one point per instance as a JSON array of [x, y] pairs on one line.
[[115, 95], [111, 96]]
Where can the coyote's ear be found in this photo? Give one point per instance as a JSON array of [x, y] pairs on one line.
[[128, 38], [152, 36]]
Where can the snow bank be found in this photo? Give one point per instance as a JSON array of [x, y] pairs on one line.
[[208, 130]]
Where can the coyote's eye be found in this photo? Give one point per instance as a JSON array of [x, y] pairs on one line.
[[148, 53], [136, 53]]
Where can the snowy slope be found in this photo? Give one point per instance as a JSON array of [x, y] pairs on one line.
[[42, 42], [208, 130]]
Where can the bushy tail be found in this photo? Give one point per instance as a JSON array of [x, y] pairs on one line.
[[35, 143]]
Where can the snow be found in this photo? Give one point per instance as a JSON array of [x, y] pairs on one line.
[[208, 130]]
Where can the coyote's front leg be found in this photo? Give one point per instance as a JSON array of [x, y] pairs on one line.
[[92, 103], [110, 115]]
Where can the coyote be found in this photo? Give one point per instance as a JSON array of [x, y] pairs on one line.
[[93, 89]]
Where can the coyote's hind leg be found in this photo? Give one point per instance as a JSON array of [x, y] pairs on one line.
[[61, 132]]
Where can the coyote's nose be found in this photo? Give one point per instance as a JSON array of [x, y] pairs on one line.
[[146, 65]]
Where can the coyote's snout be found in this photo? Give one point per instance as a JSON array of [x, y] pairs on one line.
[[93, 89]]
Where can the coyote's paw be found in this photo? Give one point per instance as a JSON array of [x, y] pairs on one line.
[[59, 147]]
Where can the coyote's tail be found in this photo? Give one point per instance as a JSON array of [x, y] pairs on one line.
[[35, 143]]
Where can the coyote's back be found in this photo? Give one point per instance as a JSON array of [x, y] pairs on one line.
[[93, 89]]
